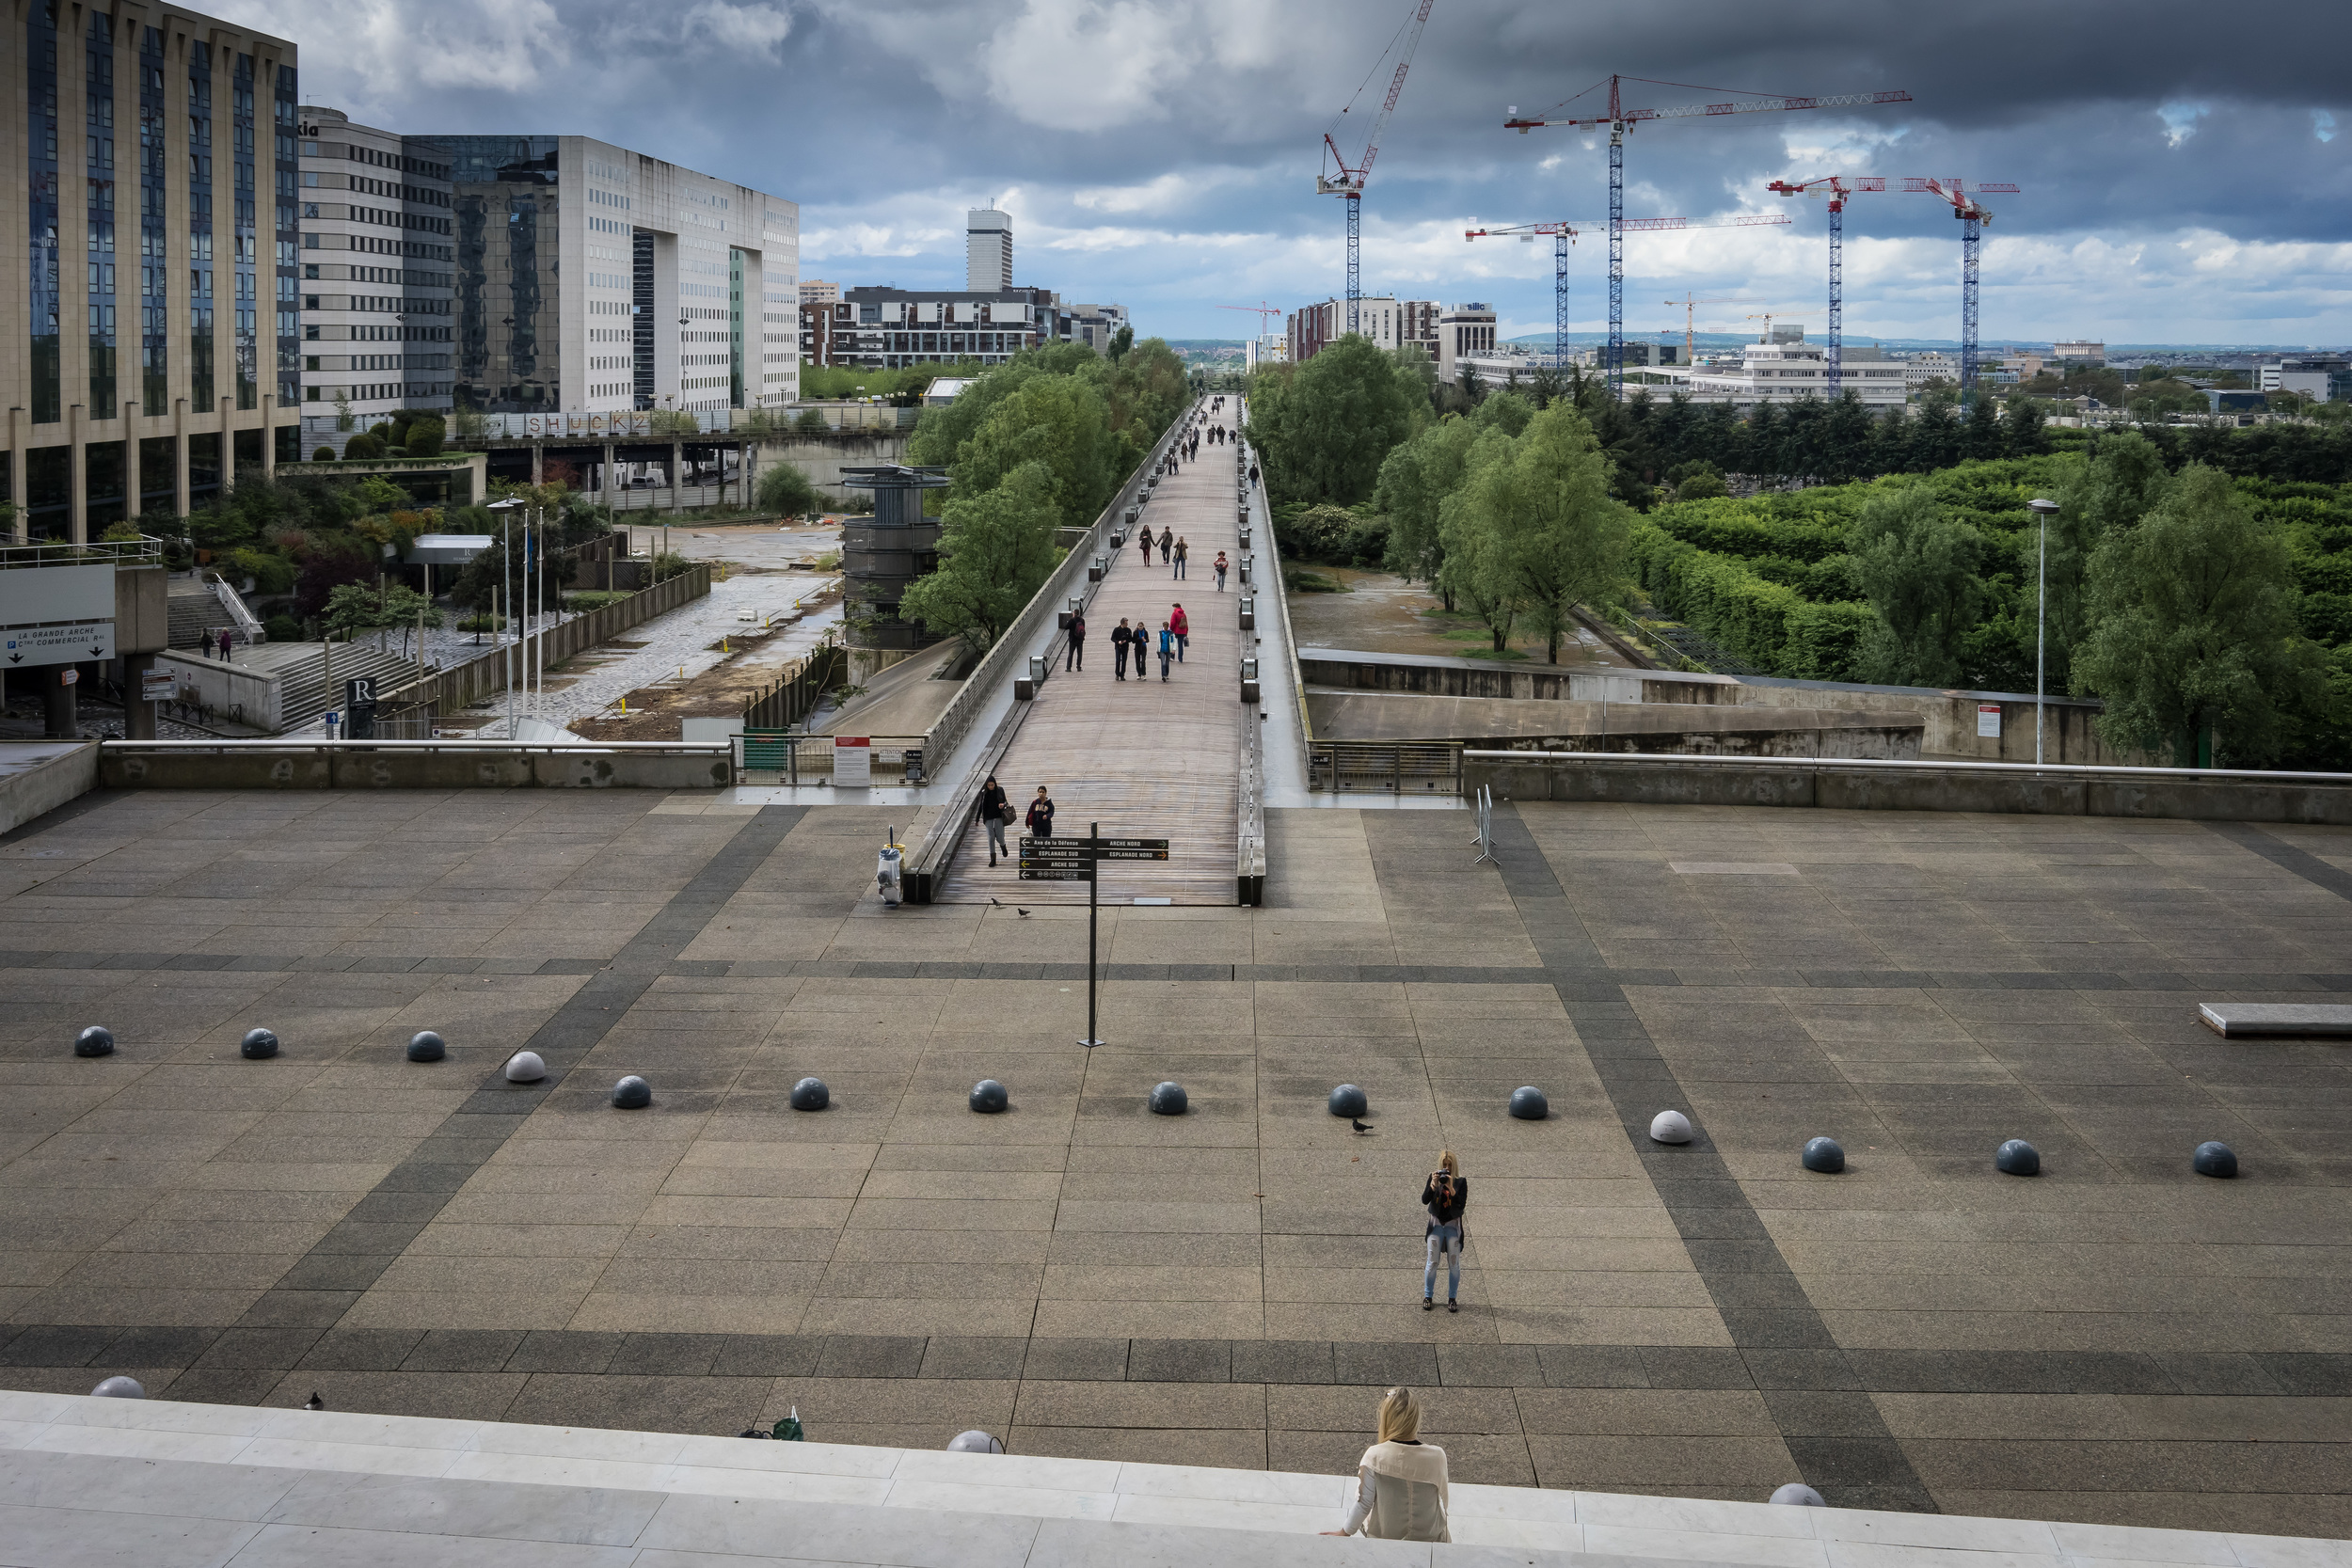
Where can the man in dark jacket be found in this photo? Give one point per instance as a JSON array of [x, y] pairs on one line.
[[994, 811], [1122, 635], [1076, 657]]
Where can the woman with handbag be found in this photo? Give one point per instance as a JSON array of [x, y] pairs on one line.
[[996, 814]]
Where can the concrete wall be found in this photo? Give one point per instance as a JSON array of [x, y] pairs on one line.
[[266, 765], [463, 685], [1920, 788], [36, 779], [220, 687], [142, 609], [820, 458]]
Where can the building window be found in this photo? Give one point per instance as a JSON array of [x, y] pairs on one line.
[[41, 50]]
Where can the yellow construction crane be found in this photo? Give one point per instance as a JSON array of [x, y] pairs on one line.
[[1690, 303], [1767, 319]]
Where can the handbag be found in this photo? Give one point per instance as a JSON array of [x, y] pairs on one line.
[[1008, 814]]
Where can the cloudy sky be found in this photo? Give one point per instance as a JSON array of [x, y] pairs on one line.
[[2186, 167]]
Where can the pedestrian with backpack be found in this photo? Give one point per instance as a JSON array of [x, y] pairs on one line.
[[1167, 649], [1183, 628]]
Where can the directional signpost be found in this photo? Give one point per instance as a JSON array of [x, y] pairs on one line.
[[68, 643], [1073, 859]]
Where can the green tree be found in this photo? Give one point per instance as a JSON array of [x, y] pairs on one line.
[[1558, 536], [1323, 429], [408, 610], [1984, 437], [353, 608], [2196, 644], [2121, 484], [1122, 340], [787, 492], [1508, 412], [1473, 571], [1414, 482], [996, 551], [1059, 421], [427, 434], [1918, 570]]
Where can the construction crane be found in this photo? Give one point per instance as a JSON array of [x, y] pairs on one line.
[[1349, 181], [1973, 214], [1836, 187], [1564, 235], [1262, 310], [1619, 120], [1691, 304], [1766, 317]]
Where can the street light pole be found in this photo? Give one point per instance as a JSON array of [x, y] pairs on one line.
[[505, 510], [2041, 510]]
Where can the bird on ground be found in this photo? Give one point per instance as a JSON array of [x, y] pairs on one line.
[[1022, 913], [1360, 1127], [999, 902], [314, 1402]]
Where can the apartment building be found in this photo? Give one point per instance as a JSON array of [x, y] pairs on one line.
[[152, 314], [1388, 322], [378, 268]]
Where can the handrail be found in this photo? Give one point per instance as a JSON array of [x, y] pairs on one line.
[[145, 550], [248, 623], [2071, 770], [590, 748]]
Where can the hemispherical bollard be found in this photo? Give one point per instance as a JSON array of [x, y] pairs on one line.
[[1798, 1494], [1826, 1155], [989, 1097], [2214, 1159], [524, 1066], [1529, 1104], [427, 1046], [1169, 1099], [810, 1094], [258, 1045], [2017, 1158], [632, 1093], [96, 1040], [973, 1442], [120, 1389], [1670, 1127], [1349, 1100]]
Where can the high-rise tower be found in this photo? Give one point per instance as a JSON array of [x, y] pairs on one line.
[[987, 251]]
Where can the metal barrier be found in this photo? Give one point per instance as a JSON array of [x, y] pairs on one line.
[[146, 551], [1483, 840], [777, 758], [1393, 767]]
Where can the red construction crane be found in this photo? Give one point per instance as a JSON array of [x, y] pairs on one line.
[[1262, 310], [1349, 181], [1972, 215], [1837, 187], [1564, 235], [1620, 119]]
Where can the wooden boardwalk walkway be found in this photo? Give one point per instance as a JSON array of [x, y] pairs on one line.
[[1145, 759]]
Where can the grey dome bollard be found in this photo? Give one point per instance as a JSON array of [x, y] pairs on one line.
[[524, 1066], [1169, 1099], [1826, 1155], [810, 1094], [1349, 1100], [2017, 1158], [96, 1040], [1670, 1127], [632, 1093], [989, 1097], [1529, 1104], [973, 1442], [427, 1046], [1798, 1494], [2214, 1159], [120, 1389], [258, 1045]]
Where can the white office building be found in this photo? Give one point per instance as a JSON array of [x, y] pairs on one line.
[[1920, 369], [377, 259], [591, 278], [1786, 368], [816, 290], [987, 251], [1464, 332]]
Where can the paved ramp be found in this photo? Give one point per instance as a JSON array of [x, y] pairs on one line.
[[1144, 759]]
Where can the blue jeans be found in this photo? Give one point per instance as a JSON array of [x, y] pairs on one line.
[[1180, 566], [1448, 1240]]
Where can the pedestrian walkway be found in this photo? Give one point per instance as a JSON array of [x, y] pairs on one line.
[[1143, 758]]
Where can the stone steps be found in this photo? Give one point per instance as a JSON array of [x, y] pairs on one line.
[[100, 1481]]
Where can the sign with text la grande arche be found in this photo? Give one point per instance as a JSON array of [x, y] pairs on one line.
[[56, 615]]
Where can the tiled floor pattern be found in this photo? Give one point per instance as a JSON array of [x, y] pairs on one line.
[[2113, 1340]]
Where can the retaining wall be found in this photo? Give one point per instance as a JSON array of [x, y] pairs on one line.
[[463, 685], [392, 764], [38, 778]]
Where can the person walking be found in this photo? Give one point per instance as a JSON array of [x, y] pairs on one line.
[[1076, 658], [1168, 540], [223, 646], [1182, 551], [1183, 628], [1445, 1196], [995, 814], [1219, 565], [1122, 635], [1144, 539], [1401, 1492], [1167, 649], [1041, 815], [1253, 476]]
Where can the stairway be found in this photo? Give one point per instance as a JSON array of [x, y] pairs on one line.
[[194, 608], [304, 692]]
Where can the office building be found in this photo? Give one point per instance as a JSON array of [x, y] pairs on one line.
[[377, 250], [1920, 369], [821, 322], [2079, 355], [887, 328], [1464, 331], [987, 251], [1269, 349], [153, 327], [1639, 355], [816, 290], [591, 278], [1387, 322], [1785, 368], [2322, 378]]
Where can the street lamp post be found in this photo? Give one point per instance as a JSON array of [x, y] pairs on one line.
[[2042, 511], [505, 510]]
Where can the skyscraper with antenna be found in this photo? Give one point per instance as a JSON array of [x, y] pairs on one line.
[[987, 250]]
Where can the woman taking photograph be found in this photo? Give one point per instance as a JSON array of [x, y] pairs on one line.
[[1400, 1481], [1445, 1196]]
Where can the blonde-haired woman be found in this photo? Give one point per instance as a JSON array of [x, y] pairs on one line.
[[1446, 1196], [1400, 1481]]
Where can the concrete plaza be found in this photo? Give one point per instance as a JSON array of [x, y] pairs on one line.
[[2116, 1339]]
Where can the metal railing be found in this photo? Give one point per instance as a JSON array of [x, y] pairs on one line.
[[1890, 765], [308, 746], [146, 551], [247, 624], [808, 758], [1390, 768], [795, 696]]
